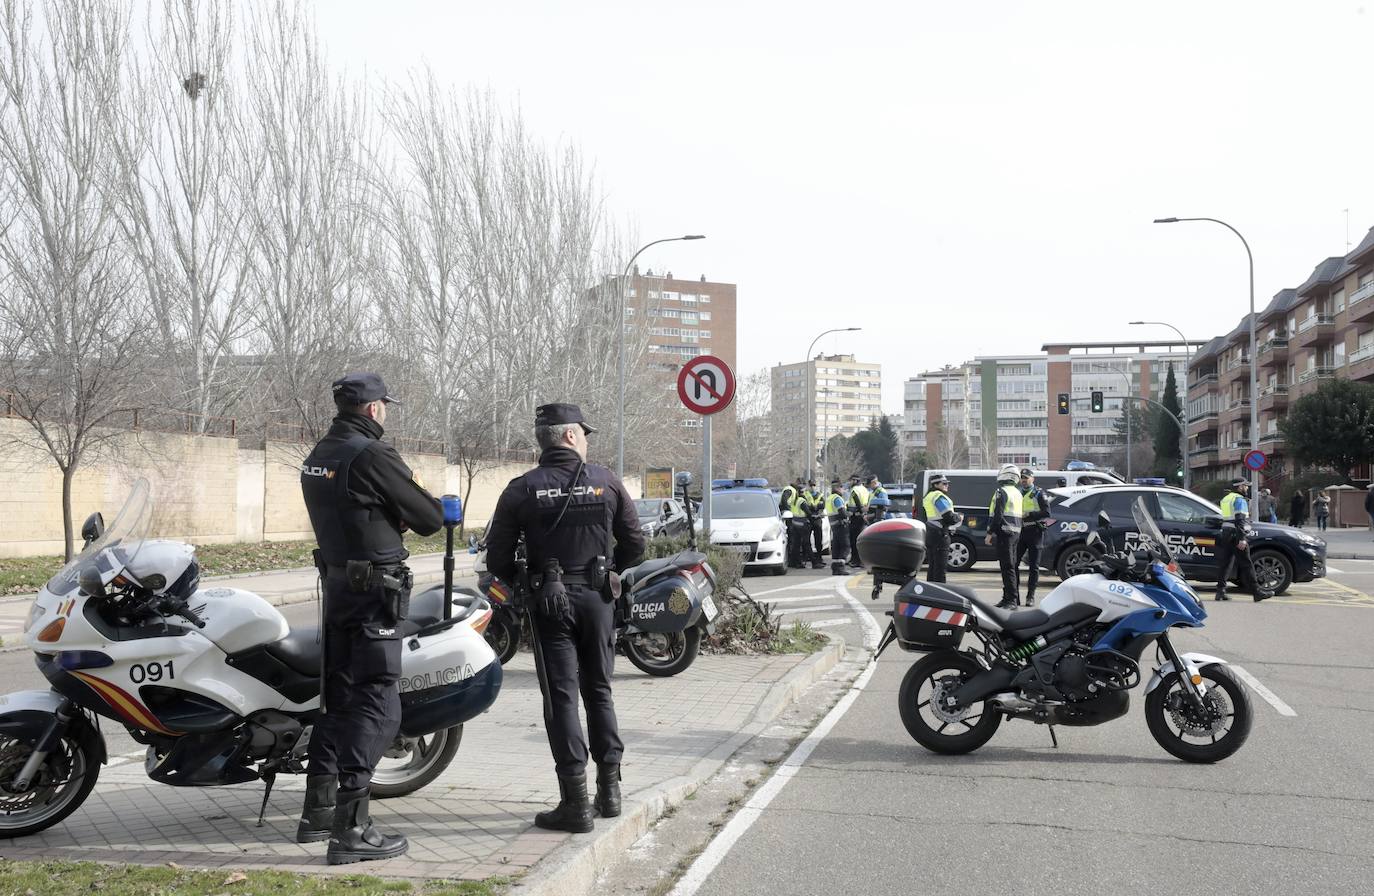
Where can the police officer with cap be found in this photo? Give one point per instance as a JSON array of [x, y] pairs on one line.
[[941, 519], [1232, 545], [360, 496], [1035, 518], [837, 513], [568, 511]]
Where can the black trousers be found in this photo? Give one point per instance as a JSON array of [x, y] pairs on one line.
[[362, 663], [1028, 547], [937, 553], [839, 540], [1006, 561], [1228, 553], [813, 527], [798, 546], [575, 655], [856, 528]]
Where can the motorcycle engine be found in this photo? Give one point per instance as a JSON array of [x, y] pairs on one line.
[[1071, 675], [1082, 674]]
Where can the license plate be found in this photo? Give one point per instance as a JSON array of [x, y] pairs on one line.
[[738, 548], [708, 608]]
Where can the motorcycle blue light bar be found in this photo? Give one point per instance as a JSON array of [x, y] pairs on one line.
[[453, 509]]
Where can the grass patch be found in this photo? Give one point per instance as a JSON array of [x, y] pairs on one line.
[[799, 637], [62, 878], [25, 575]]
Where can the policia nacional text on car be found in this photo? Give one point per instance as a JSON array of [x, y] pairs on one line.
[[360, 497], [568, 511]]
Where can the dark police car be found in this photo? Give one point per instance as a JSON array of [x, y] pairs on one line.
[[1282, 555]]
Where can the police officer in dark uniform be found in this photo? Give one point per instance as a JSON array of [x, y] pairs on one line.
[[1035, 517], [361, 496], [1233, 547], [568, 511]]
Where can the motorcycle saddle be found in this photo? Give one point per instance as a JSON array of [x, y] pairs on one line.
[[650, 568], [1016, 622], [300, 650]]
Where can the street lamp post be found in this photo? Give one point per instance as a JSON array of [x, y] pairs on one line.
[[1188, 360], [1126, 407], [620, 349], [810, 396], [1254, 383]]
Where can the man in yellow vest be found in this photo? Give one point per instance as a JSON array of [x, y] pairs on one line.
[[1004, 529], [813, 502], [941, 519], [1232, 545], [1035, 517], [858, 517], [790, 502], [837, 513]]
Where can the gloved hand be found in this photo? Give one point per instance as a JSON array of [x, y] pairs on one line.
[[552, 602]]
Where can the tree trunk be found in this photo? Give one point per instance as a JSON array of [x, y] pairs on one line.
[[67, 473]]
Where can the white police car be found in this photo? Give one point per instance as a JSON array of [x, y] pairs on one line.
[[745, 519]]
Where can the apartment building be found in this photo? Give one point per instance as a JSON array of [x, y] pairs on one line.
[[827, 396], [685, 318], [1315, 332], [1004, 409]]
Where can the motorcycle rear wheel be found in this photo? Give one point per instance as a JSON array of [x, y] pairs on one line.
[[504, 638], [1165, 708], [971, 729], [63, 782], [422, 760], [662, 654]]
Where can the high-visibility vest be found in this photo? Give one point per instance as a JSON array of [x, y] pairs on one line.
[[880, 498], [935, 508], [858, 496], [834, 505], [1233, 504], [812, 501], [1030, 501], [1013, 509], [789, 498]]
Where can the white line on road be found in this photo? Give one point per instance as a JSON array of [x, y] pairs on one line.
[[1269, 696], [830, 623], [827, 594], [736, 828], [825, 609], [808, 584]]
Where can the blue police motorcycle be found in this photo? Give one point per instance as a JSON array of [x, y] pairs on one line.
[[1071, 662]]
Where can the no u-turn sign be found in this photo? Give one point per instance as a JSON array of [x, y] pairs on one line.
[[705, 384]]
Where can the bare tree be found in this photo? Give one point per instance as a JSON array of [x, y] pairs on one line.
[[180, 178], [948, 447], [70, 316]]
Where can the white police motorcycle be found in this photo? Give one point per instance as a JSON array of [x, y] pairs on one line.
[[213, 680]]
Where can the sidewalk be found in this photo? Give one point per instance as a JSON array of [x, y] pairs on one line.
[[473, 822], [1345, 544]]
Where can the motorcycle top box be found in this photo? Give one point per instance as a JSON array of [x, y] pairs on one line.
[[929, 616], [895, 546], [669, 603]]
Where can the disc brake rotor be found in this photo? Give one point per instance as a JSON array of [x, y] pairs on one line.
[[1186, 718], [938, 694]]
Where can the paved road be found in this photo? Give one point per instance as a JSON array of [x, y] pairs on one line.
[[872, 812]]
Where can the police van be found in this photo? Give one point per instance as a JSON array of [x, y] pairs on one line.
[[972, 490]]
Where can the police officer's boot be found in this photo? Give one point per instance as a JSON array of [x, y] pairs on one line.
[[1030, 598], [608, 790], [837, 568], [574, 811], [317, 818], [354, 838]]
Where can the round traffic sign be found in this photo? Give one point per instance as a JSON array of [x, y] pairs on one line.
[[1255, 460], [705, 384]]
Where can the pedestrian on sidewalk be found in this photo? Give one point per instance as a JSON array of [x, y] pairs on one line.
[[568, 511], [1369, 505], [1321, 509], [360, 496], [1297, 509], [1267, 505]]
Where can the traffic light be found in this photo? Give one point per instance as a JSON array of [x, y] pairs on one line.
[[1063, 402], [1097, 402]]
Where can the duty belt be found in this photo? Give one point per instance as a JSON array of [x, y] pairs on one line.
[[341, 572], [567, 578]]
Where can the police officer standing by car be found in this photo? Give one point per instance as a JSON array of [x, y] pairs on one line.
[[813, 503], [1004, 528], [568, 511], [858, 518], [940, 519], [360, 496], [790, 502], [1035, 517], [1232, 543], [837, 513], [878, 501]]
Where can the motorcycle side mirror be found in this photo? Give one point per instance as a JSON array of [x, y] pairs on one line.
[[93, 528], [1212, 522], [90, 581]]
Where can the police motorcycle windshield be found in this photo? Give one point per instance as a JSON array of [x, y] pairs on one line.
[[115, 549], [1152, 539]]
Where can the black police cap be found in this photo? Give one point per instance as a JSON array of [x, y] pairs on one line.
[[360, 388], [558, 413]]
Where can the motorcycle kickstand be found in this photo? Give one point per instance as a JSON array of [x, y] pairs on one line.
[[270, 778], [1054, 740]]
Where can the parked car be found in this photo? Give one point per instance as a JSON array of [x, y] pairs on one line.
[[745, 519], [1282, 555], [661, 516]]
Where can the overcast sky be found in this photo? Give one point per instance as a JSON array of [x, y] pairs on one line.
[[956, 178]]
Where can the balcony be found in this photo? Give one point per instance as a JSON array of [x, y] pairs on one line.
[[1237, 368], [1236, 409], [1361, 303], [1207, 379], [1362, 353], [1271, 441], [1204, 422], [1316, 373], [1204, 457], [1274, 397], [1273, 351], [1317, 329], [1361, 364]]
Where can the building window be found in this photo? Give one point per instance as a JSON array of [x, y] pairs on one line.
[[704, 315], [705, 298]]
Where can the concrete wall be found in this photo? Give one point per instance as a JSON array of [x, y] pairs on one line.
[[205, 489]]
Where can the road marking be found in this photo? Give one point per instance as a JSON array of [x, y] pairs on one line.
[[830, 623], [737, 827], [827, 594], [808, 584], [825, 609], [1269, 696], [1331, 569]]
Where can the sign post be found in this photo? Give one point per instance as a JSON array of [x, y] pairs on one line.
[[706, 385]]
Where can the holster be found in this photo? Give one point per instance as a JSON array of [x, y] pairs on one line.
[[396, 587], [599, 577]]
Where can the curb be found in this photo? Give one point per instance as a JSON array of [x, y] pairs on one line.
[[1348, 555], [573, 868]]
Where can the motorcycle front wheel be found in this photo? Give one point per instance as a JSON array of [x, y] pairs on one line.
[[662, 653], [413, 762], [1182, 731], [63, 782], [934, 726]]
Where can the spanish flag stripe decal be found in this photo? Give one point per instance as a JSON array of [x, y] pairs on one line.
[[132, 711]]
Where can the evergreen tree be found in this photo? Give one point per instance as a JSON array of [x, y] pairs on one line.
[[1168, 456], [1333, 427]]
